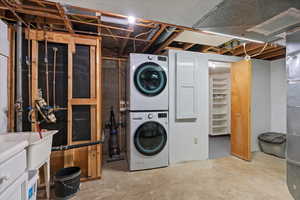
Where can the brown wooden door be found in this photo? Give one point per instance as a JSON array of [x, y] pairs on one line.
[[241, 81]]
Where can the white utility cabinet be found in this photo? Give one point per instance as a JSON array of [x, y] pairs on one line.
[[13, 173]]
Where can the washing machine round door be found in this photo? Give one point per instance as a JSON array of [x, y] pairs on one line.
[[150, 79], [150, 138]]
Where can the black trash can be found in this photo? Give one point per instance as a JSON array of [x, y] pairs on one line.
[[67, 182], [273, 143]]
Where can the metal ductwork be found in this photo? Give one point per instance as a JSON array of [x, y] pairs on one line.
[[255, 19], [162, 38]]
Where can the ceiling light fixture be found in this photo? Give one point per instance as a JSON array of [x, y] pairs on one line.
[[234, 36], [131, 19]]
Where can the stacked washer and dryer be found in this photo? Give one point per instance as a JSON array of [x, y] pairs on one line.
[[147, 116]]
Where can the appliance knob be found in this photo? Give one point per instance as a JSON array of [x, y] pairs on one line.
[[150, 57], [150, 116]]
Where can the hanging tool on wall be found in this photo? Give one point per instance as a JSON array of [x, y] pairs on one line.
[[54, 75], [113, 141]]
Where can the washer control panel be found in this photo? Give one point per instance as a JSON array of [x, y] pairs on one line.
[[150, 116], [162, 115]]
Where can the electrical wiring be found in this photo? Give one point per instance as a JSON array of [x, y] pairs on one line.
[[262, 50], [248, 57]]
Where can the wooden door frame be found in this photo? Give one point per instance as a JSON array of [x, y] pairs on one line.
[[94, 153]]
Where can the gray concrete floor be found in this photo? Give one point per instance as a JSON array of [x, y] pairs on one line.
[[219, 146], [226, 178]]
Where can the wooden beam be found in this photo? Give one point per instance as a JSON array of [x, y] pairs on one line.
[[277, 53], [69, 154], [101, 25], [65, 18], [204, 48], [153, 39], [187, 46], [258, 50], [269, 50], [34, 80], [168, 41], [80, 101], [209, 49], [173, 48], [37, 13], [42, 3], [114, 58], [60, 37], [11, 79], [124, 37], [42, 9], [99, 97], [277, 57]]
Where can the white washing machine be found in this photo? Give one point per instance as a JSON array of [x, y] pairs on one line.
[[147, 140], [147, 82]]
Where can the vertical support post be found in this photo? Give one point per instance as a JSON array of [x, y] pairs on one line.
[[11, 79], [69, 154], [92, 150], [99, 105], [34, 80]]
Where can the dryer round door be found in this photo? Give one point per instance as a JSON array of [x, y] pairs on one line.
[[150, 138], [150, 79]]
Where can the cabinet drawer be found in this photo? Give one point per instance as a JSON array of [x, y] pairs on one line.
[[12, 169], [17, 190]]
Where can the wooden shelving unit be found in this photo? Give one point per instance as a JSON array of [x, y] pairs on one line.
[[220, 103]]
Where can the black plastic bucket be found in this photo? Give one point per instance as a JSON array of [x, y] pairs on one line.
[[67, 182]]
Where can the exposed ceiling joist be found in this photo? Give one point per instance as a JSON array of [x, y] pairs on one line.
[[101, 25], [168, 41], [187, 46], [65, 18], [270, 52], [156, 35], [117, 36], [273, 54]]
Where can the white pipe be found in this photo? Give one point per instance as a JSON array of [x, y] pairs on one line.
[[234, 36], [19, 99]]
